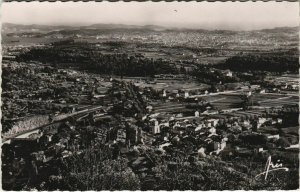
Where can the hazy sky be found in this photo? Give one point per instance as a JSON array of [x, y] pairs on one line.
[[214, 15]]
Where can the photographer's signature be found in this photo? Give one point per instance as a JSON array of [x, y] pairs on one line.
[[270, 166]]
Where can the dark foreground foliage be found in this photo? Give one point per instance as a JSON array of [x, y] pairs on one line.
[[98, 169]]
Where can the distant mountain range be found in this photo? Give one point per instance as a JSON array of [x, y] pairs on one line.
[[12, 28], [15, 28]]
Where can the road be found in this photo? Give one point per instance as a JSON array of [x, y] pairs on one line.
[[267, 100], [213, 94], [281, 94]]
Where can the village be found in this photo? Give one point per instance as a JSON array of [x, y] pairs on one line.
[[129, 114]]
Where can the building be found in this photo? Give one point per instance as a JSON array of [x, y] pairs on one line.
[[228, 73], [214, 122], [164, 93], [261, 121], [186, 94], [154, 126], [201, 152], [273, 136]]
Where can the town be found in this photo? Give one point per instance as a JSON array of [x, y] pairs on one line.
[[156, 110]]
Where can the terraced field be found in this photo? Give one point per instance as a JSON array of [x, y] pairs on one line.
[[268, 100], [224, 101]]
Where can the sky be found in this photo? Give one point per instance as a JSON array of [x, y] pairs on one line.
[[205, 15]]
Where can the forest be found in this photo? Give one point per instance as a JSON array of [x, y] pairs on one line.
[[276, 62], [86, 57]]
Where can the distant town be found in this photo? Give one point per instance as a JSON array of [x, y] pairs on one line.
[[109, 107]]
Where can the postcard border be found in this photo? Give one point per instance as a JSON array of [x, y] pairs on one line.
[[151, 0]]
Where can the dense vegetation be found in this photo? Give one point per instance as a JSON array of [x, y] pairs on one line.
[[280, 62], [97, 169], [211, 76], [86, 57]]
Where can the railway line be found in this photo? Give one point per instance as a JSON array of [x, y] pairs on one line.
[[56, 119]]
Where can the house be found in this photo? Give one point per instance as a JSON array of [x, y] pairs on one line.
[[212, 130], [149, 108], [66, 153], [293, 87], [164, 124], [208, 124], [164, 93], [186, 94], [121, 135], [246, 122], [262, 91], [258, 150], [249, 93], [210, 112], [296, 146], [175, 91], [230, 110], [134, 134], [154, 126], [222, 146], [201, 152], [228, 125], [179, 115], [284, 86], [255, 86], [261, 121], [276, 136], [199, 127], [214, 122], [154, 115], [228, 73]]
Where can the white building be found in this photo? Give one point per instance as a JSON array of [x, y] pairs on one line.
[[201, 152], [273, 136], [154, 126], [249, 93], [261, 121], [164, 93], [186, 94], [229, 74], [262, 91], [214, 122], [212, 130]]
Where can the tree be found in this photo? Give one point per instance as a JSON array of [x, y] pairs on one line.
[[95, 169], [283, 142]]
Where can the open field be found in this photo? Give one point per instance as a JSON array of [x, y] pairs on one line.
[[223, 101], [268, 100]]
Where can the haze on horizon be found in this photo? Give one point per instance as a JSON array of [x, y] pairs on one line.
[[205, 15]]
